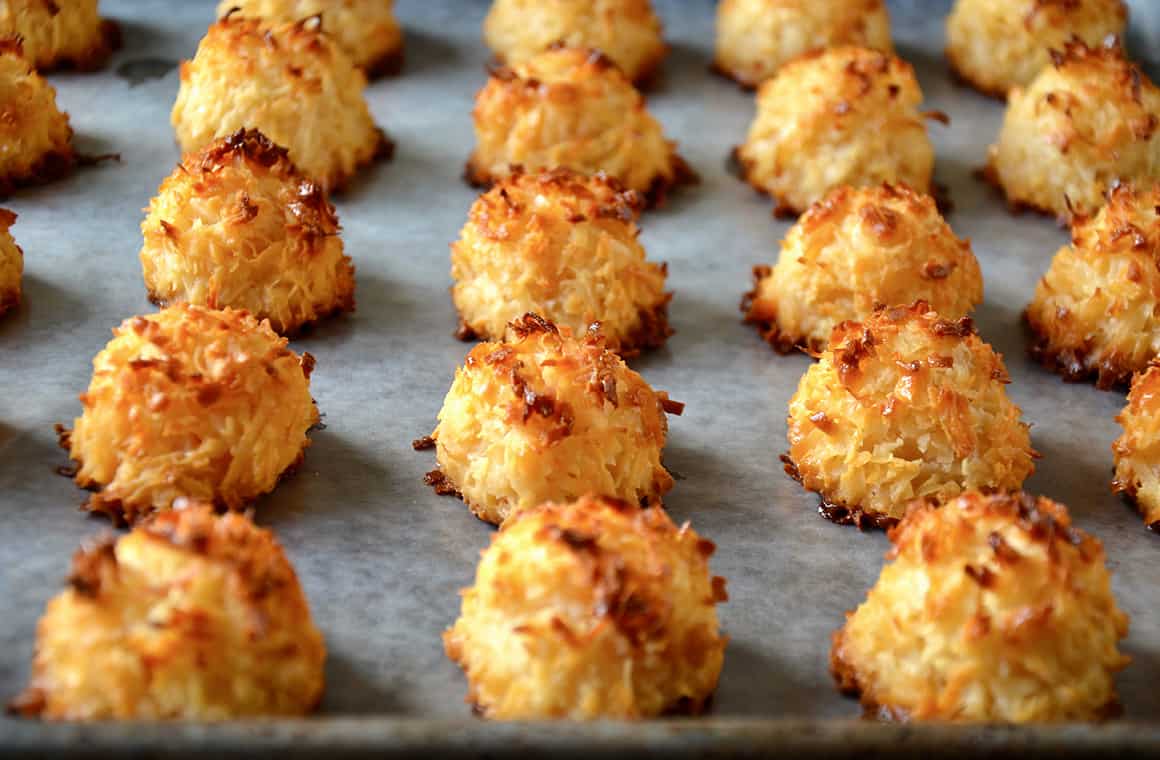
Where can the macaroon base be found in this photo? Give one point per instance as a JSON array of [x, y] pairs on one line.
[[839, 513]]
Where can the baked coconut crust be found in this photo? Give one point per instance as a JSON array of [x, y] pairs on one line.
[[587, 610]]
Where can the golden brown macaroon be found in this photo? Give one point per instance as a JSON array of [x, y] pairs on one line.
[[190, 616], [238, 225], [291, 82], [59, 34], [571, 108], [594, 609], [35, 136], [1086, 123], [366, 30], [755, 38], [992, 608], [843, 116], [854, 250], [564, 246], [547, 416], [11, 264], [995, 45], [1096, 313], [627, 31], [903, 406], [194, 402], [1137, 450]]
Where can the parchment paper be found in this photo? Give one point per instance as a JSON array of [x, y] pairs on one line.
[[380, 555]]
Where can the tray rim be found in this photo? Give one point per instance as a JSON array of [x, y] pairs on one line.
[[350, 736]]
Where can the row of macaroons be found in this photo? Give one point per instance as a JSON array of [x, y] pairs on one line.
[[845, 115], [1006, 610], [905, 402], [994, 45], [237, 226]]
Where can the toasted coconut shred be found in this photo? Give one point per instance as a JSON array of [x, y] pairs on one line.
[[237, 225], [37, 131], [997, 45], [1137, 450], [1093, 316], [852, 251], [905, 405], [190, 616], [546, 415], [597, 122], [60, 35], [11, 264], [842, 116], [991, 608], [562, 245], [609, 612], [291, 82], [755, 38], [365, 30], [627, 31], [1086, 123], [190, 402]]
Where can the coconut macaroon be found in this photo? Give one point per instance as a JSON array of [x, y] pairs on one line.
[[548, 416], [571, 108], [190, 616], [854, 250], [1086, 123], [366, 30], [627, 31], [755, 38], [843, 116], [11, 264], [34, 133], [237, 225], [992, 608], [594, 609], [190, 402], [902, 406], [288, 80], [59, 35], [995, 45], [564, 246], [1137, 450], [1095, 312]]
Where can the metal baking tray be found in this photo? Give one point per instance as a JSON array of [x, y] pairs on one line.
[[381, 556]]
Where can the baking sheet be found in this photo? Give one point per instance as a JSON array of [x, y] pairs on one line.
[[382, 557]]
